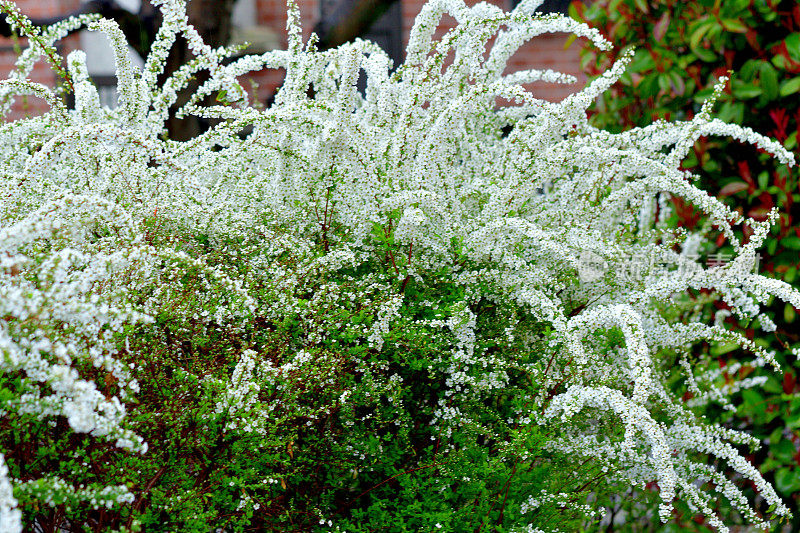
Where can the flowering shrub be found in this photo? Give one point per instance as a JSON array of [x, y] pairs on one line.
[[357, 311]]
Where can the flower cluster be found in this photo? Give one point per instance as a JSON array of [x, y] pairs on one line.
[[415, 233]]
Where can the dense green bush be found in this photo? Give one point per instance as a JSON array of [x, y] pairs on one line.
[[411, 309], [681, 49]]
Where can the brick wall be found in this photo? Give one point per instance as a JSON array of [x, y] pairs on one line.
[[546, 51], [25, 106]]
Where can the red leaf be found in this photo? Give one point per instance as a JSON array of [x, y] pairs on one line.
[[687, 217], [733, 188], [660, 29], [781, 122], [789, 381], [759, 213], [747, 231], [752, 39], [744, 172], [767, 202], [678, 88]]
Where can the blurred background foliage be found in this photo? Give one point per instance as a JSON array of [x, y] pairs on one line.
[[682, 48]]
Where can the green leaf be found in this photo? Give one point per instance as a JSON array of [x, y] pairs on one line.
[[664, 83], [704, 54], [779, 61], [701, 96], [750, 69], [763, 180], [791, 242], [791, 142], [648, 86], [722, 349], [793, 46], [793, 420], [790, 86], [731, 112], [790, 275], [753, 401], [789, 313], [642, 61], [773, 386], [772, 245], [769, 81], [787, 480], [744, 91], [699, 30], [734, 25], [783, 450], [678, 85], [6, 395]]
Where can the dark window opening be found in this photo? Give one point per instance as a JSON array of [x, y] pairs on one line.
[[550, 6], [386, 32]]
